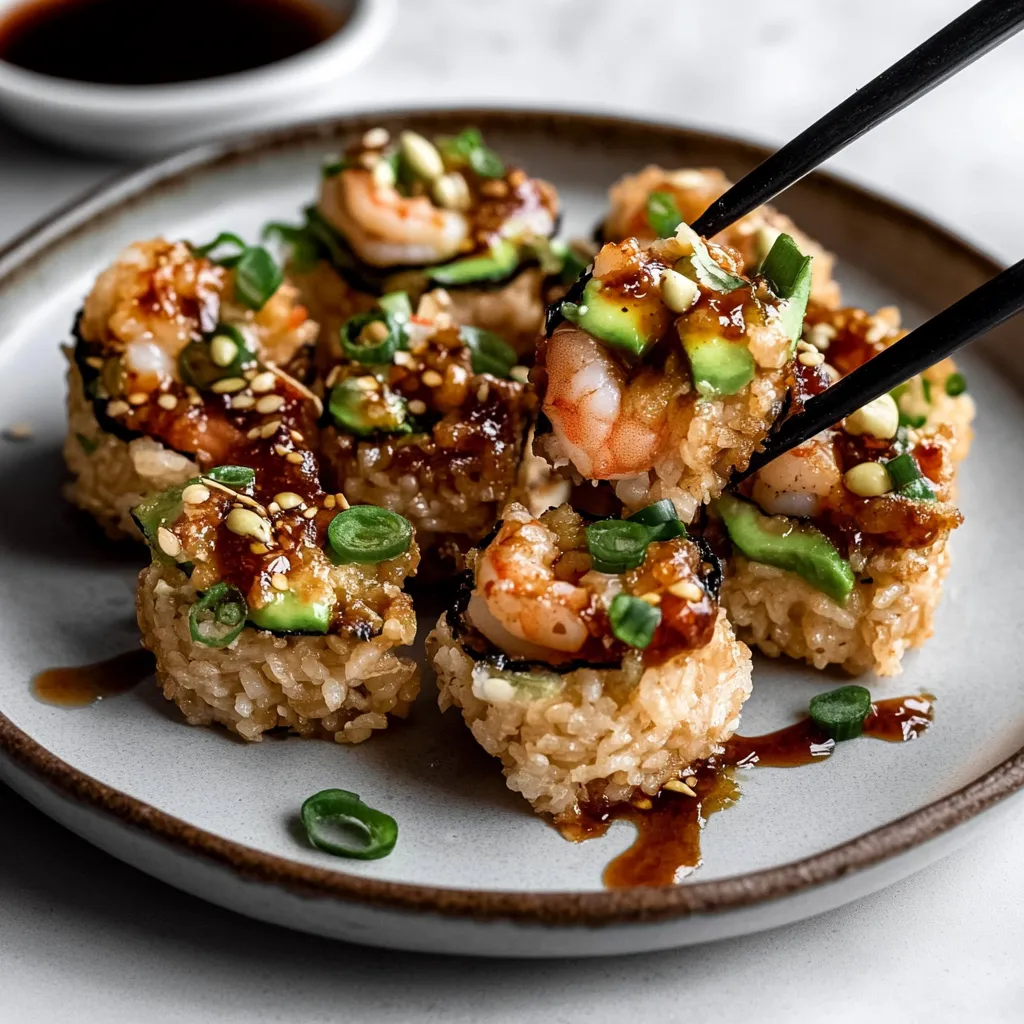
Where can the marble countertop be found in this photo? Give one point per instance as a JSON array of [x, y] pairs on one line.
[[86, 939]]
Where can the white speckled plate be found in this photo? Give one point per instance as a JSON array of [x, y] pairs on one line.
[[474, 870]]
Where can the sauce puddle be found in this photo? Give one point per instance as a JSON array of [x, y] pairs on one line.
[[667, 846], [79, 687]]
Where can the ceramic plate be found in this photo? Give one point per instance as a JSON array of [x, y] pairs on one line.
[[474, 871]]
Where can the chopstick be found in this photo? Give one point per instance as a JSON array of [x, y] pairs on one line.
[[978, 30], [957, 325]]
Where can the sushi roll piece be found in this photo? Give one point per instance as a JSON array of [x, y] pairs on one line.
[[413, 214], [176, 359], [650, 203], [593, 660], [427, 418], [840, 546], [667, 369], [272, 605]]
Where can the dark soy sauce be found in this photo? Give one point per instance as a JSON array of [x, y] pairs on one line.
[[669, 826], [145, 42], [81, 686]]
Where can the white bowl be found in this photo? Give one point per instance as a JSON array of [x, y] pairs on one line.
[[138, 121]]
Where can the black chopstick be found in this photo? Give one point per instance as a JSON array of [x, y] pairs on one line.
[[973, 34], [957, 325]]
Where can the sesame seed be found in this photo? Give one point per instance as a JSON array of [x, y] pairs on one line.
[[690, 780], [296, 458], [258, 549], [253, 434], [195, 494], [342, 501], [687, 591], [369, 160], [678, 787], [288, 499], [652, 598], [279, 581], [432, 379], [167, 402], [517, 177], [402, 358], [310, 513], [297, 386], [811, 358], [138, 398], [332, 377], [483, 391], [95, 362], [265, 381], [273, 507], [329, 501], [246, 523], [228, 385], [417, 407], [243, 402], [520, 373], [296, 436], [169, 544], [195, 400], [269, 430], [117, 408], [249, 375], [270, 403], [223, 351], [376, 138], [279, 449]]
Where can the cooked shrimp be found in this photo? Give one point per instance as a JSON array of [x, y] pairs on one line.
[[518, 602], [386, 228], [797, 483], [609, 428]]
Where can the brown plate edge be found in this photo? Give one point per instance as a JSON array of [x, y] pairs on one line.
[[539, 908]]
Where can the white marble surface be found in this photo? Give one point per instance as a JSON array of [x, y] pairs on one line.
[[84, 939]]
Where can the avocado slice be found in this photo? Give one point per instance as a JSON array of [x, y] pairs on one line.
[[158, 510], [609, 320], [719, 366], [499, 263], [288, 613], [800, 548], [364, 413]]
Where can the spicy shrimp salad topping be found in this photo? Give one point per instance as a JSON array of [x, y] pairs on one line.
[[556, 590], [653, 331], [449, 207], [194, 351]]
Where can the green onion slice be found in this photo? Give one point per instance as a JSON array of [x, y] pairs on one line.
[[338, 822], [224, 238], [956, 384], [788, 273], [305, 250], [379, 353], [663, 214], [366, 534], [364, 413], [158, 510], [616, 545], [458, 147], [218, 616], [257, 277], [396, 305], [841, 713], [489, 352], [197, 367], [633, 621], [238, 478], [486, 163], [661, 519], [907, 479]]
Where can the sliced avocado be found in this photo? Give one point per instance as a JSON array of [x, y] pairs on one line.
[[719, 366], [364, 413], [288, 613], [799, 548], [158, 510], [499, 263], [609, 320]]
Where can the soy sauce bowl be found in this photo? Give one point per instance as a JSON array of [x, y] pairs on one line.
[[137, 121]]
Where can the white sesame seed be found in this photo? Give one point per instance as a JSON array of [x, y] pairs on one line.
[[169, 544], [270, 429], [95, 362], [168, 402], [309, 513], [483, 391], [342, 501], [265, 381], [329, 501], [376, 138], [403, 358], [288, 499], [228, 385], [117, 408], [296, 436], [820, 335], [223, 351], [417, 407], [243, 402], [432, 379], [279, 449], [676, 786], [195, 494], [253, 434], [451, 192], [687, 591], [296, 458], [279, 581], [269, 403], [246, 523], [652, 598], [811, 358]]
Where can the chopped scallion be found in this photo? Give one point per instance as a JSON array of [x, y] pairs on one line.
[[907, 480], [633, 621], [489, 352], [661, 519], [360, 348], [396, 304], [956, 384], [338, 822], [218, 616], [788, 273], [617, 545], [663, 214], [257, 277], [238, 478], [841, 713], [366, 534]]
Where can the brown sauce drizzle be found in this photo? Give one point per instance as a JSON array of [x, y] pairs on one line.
[[81, 686], [667, 846]]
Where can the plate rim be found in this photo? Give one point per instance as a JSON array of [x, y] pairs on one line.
[[586, 908]]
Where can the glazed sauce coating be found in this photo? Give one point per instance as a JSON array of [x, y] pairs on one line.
[[78, 687], [669, 826], [139, 42]]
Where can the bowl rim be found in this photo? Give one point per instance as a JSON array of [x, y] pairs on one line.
[[340, 53], [551, 909]]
